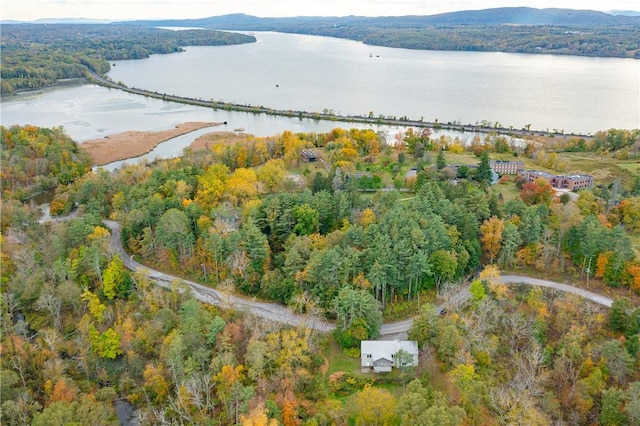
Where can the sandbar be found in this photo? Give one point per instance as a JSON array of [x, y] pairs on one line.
[[131, 144]]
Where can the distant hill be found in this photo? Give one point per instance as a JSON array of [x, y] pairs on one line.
[[508, 29], [496, 16], [624, 12], [61, 21]]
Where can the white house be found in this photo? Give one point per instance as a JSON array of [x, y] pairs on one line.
[[380, 355]]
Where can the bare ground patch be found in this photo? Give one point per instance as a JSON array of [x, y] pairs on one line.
[[122, 146]]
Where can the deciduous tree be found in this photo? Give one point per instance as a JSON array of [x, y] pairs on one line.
[[491, 236], [374, 406]]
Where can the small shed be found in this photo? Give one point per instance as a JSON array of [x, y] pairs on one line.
[[308, 156]]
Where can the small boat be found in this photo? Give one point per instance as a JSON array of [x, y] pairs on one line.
[[239, 129]]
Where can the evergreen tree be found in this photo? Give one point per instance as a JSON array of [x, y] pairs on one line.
[[483, 173], [441, 162]]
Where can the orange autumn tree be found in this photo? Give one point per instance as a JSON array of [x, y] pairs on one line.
[[602, 262], [539, 191], [634, 272]]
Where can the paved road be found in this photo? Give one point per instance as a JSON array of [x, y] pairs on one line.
[[279, 313]]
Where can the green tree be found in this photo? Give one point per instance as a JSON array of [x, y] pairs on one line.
[[116, 281], [633, 403], [105, 345], [425, 326], [174, 232], [477, 290], [612, 413], [321, 182], [256, 246], [441, 161], [421, 405], [484, 172], [352, 305], [619, 314], [510, 242], [84, 412], [405, 362], [307, 219], [443, 265], [619, 362]]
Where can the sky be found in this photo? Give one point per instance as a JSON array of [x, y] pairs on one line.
[[29, 10]]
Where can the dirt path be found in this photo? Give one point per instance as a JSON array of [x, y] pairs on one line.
[[123, 146]]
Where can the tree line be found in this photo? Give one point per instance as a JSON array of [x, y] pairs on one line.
[[34, 56]]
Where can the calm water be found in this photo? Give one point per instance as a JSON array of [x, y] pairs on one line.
[[285, 71], [311, 73]]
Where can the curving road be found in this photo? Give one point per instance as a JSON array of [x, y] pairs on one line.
[[270, 311], [279, 313]]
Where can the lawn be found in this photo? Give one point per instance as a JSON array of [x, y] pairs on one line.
[[508, 190], [338, 361]]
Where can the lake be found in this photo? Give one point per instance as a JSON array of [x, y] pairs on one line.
[[310, 73]]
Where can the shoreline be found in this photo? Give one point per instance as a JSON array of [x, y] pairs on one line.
[[131, 144]]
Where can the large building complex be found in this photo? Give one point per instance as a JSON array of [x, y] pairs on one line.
[[571, 182]]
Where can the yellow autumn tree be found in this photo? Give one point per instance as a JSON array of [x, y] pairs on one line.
[[155, 383], [292, 147], [491, 237], [367, 217], [491, 275], [211, 186], [272, 174], [242, 185], [374, 407], [257, 417], [100, 236]]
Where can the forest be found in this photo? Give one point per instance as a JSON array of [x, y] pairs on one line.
[[620, 43], [34, 56], [82, 335]]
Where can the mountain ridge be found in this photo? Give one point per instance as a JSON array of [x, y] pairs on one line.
[[488, 17], [491, 16]]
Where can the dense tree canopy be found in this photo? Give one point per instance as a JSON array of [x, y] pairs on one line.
[[79, 331], [35, 55]]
